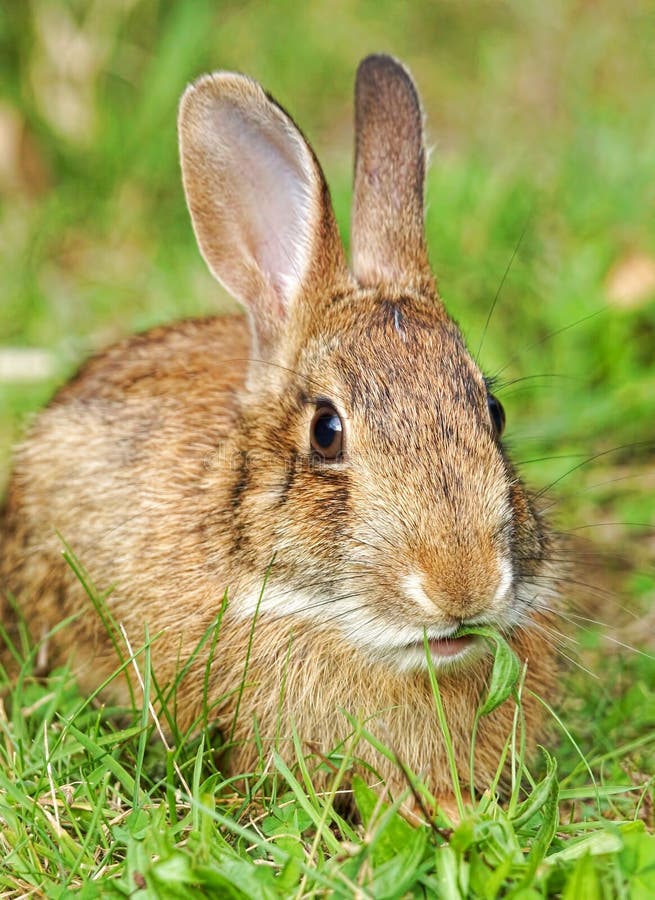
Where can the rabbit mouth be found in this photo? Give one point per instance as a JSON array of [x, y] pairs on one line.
[[447, 653], [449, 648]]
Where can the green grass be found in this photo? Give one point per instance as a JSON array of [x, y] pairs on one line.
[[540, 119], [94, 807]]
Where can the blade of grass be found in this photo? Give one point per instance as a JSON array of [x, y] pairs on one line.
[[445, 730], [246, 664]]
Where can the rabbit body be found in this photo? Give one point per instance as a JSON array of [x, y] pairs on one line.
[[178, 465]]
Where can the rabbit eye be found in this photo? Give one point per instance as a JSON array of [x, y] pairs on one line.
[[326, 433], [496, 414]]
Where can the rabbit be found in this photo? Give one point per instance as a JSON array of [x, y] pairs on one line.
[[330, 462]]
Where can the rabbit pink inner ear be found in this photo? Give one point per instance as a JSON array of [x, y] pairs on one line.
[[388, 230], [271, 210], [256, 196]]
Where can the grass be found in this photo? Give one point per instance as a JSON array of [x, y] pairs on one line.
[[543, 139], [108, 810], [99, 808]]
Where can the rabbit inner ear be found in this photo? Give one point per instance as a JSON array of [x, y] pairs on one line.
[[268, 202], [257, 197], [388, 233]]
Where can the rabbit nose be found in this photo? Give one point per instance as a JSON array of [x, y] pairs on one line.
[[461, 592]]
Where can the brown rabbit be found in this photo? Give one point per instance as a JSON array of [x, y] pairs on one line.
[[340, 437]]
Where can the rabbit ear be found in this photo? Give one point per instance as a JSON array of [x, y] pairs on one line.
[[258, 200], [388, 234]]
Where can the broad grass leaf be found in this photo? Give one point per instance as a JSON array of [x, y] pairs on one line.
[[550, 819], [597, 844], [487, 882], [505, 672], [390, 831], [236, 879], [401, 871], [172, 872], [285, 818], [91, 890], [463, 836], [453, 874], [637, 860], [583, 881], [365, 798], [285, 826], [498, 842], [539, 795]]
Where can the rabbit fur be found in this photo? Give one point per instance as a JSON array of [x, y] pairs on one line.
[[177, 466]]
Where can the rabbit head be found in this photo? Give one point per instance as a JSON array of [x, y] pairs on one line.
[[368, 457]]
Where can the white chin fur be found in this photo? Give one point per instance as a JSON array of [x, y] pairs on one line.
[[350, 615], [398, 646], [413, 658]]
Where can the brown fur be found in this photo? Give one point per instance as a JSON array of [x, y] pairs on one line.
[[177, 463]]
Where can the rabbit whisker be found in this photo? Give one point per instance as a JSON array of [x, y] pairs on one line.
[[550, 336], [557, 643], [508, 268]]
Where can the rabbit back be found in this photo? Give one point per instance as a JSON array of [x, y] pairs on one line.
[[119, 461]]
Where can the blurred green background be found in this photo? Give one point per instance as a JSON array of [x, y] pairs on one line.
[[541, 123]]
